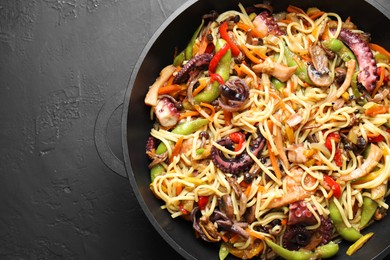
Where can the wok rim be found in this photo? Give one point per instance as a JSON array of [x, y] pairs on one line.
[[127, 100], [126, 104]]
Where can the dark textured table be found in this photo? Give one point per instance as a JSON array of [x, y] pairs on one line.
[[60, 61]]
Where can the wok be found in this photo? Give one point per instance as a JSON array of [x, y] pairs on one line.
[[175, 32]]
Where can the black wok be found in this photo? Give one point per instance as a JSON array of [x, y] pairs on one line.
[[175, 32]]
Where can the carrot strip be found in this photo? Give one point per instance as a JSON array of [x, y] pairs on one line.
[[176, 148], [306, 58], [249, 54], [171, 78], [316, 15], [246, 28], [224, 238], [285, 21], [260, 54], [379, 49], [227, 115], [248, 190], [201, 86], [238, 70], [202, 46], [274, 162], [179, 188], [169, 89], [188, 114], [295, 9], [376, 110], [211, 107], [380, 82], [234, 238], [254, 234]]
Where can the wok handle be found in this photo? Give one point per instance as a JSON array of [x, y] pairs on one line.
[[100, 135]]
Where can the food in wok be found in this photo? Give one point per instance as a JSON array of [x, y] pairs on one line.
[[271, 132]]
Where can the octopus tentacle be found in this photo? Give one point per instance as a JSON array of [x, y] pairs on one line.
[[266, 24], [197, 62], [166, 112], [368, 70], [239, 163], [300, 214]]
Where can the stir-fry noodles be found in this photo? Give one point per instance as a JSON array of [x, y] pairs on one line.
[[271, 132]]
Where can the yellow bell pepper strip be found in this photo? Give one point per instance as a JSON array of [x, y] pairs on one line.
[[348, 233], [358, 244], [222, 68], [223, 31], [368, 211]]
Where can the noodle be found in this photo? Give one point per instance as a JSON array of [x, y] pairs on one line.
[[272, 158]]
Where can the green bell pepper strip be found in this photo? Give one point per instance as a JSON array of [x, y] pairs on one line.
[[223, 251], [324, 251], [179, 59], [369, 208], [186, 54], [338, 47], [288, 254], [278, 85], [327, 251], [184, 128], [211, 92], [301, 71], [156, 170], [348, 233], [188, 51]]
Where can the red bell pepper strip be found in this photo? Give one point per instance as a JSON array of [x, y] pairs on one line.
[[328, 141], [338, 153], [202, 201], [333, 185], [210, 48], [238, 138], [223, 31], [338, 157], [183, 210], [217, 57], [216, 77], [375, 139]]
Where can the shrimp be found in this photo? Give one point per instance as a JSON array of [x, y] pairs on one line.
[[294, 189]]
